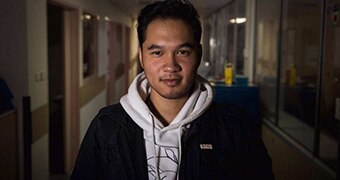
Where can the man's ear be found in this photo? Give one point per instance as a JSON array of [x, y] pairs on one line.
[[140, 57]]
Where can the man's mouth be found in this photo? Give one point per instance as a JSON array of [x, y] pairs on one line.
[[171, 82]]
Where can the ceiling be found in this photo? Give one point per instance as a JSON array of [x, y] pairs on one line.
[[204, 7]]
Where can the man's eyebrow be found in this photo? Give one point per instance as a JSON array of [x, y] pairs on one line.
[[187, 44], [154, 46]]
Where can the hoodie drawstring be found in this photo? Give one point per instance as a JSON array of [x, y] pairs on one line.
[[180, 129], [154, 146]]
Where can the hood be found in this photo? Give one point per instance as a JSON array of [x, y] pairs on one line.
[[134, 104], [163, 143]]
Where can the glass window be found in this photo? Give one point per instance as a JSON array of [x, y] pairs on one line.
[[299, 69], [224, 39], [89, 44], [303, 99], [330, 89], [236, 35], [268, 16]]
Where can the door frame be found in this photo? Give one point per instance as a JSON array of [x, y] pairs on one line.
[[110, 30], [71, 124]]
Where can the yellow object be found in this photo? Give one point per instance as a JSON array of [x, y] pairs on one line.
[[228, 74], [292, 76]]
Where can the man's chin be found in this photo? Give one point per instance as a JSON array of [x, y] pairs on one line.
[[174, 95]]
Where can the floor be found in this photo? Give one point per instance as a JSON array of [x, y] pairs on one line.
[[59, 177], [304, 134]]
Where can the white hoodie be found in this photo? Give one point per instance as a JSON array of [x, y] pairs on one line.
[[161, 142]]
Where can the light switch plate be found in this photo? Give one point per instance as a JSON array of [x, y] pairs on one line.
[[36, 77], [337, 109]]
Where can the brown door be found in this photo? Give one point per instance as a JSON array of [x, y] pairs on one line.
[[56, 68], [63, 65], [110, 58]]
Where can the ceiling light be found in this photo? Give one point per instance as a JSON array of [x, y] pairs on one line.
[[238, 20], [87, 16], [107, 18]]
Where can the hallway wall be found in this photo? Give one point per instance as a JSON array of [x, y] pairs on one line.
[[13, 47], [23, 58], [13, 54]]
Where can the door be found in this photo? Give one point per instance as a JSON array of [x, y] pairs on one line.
[[63, 65], [110, 59], [56, 68]]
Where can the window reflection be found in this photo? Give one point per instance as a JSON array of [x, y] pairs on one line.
[[268, 15], [330, 92], [224, 39], [89, 22], [299, 69], [304, 75]]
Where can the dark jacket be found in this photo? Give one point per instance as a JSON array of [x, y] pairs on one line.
[[113, 148]]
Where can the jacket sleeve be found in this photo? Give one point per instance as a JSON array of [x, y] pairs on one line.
[[88, 163]]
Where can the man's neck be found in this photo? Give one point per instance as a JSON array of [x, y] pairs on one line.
[[165, 109]]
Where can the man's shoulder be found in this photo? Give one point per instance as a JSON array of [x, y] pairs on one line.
[[112, 110], [113, 115], [112, 123]]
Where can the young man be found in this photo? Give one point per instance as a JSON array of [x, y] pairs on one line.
[[167, 127]]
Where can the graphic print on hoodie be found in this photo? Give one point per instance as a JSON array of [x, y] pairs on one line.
[[163, 143]]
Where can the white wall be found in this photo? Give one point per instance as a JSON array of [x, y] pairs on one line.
[[88, 112], [37, 77], [23, 58], [36, 44], [13, 52], [13, 55], [134, 51], [37, 52], [120, 88], [40, 164]]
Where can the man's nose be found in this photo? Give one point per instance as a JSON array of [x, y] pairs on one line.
[[171, 64]]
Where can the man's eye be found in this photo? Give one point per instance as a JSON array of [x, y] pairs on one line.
[[156, 53], [183, 53]]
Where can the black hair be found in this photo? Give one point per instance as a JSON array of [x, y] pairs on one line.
[[172, 9]]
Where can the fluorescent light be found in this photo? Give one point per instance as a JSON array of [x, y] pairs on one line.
[[87, 17], [107, 18], [238, 20], [212, 42]]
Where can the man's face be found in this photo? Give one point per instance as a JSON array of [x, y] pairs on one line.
[[169, 58]]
